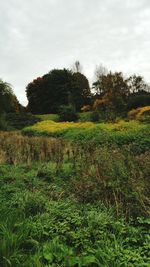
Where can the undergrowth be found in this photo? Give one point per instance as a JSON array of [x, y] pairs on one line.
[[43, 224]]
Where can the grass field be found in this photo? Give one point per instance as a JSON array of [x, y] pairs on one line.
[[88, 133], [48, 218], [75, 195]]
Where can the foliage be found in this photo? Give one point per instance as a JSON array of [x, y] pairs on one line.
[[140, 113], [46, 117], [136, 84], [95, 116], [17, 121], [3, 122], [112, 83], [8, 101], [139, 99], [85, 116], [115, 94], [79, 203], [67, 113], [42, 225], [54, 129], [103, 134], [59, 87], [80, 91]]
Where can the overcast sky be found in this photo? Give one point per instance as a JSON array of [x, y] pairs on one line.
[[37, 36]]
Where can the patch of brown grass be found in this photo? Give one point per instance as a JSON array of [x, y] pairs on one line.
[[18, 149]]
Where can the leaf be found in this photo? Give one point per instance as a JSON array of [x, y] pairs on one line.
[[47, 254]]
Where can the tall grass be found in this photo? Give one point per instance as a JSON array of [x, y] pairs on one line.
[[115, 176], [16, 149]]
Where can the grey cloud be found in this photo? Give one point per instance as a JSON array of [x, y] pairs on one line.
[[36, 36]]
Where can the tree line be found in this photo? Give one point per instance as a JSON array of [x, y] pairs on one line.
[[110, 93]]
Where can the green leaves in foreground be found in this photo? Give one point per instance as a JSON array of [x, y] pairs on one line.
[[45, 223]]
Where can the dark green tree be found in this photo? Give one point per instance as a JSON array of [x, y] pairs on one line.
[[8, 101], [139, 92], [59, 87], [80, 90]]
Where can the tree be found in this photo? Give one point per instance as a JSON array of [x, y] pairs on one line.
[[136, 84], [139, 99], [8, 101], [114, 83], [112, 95], [80, 91], [45, 94], [57, 88], [100, 72], [139, 92]]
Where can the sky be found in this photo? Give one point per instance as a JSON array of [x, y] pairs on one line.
[[37, 36]]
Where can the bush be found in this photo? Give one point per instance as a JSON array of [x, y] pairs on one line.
[[20, 120], [67, 113], [95, 116], [142, 113], [138, 100], [85, 116]]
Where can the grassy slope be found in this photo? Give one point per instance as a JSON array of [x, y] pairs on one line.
[[71, 211], [122, 133]]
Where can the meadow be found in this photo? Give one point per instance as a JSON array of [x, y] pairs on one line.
[[75, 194], [102, 134]]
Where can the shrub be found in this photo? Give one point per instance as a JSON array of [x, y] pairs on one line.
[[20, 120], [137, 100], [85, 116], [67, 113], [95, 116], [142, 113]]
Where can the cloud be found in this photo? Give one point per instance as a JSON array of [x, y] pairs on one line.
[[36, 36]]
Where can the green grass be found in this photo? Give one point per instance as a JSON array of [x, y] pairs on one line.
[[79, 201], [51, 117], [106, 134], [85, 116], [43, 225]]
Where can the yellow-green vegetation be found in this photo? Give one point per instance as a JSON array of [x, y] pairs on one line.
[[88, 133], [140, 113], [51, 128], [51, 117]]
